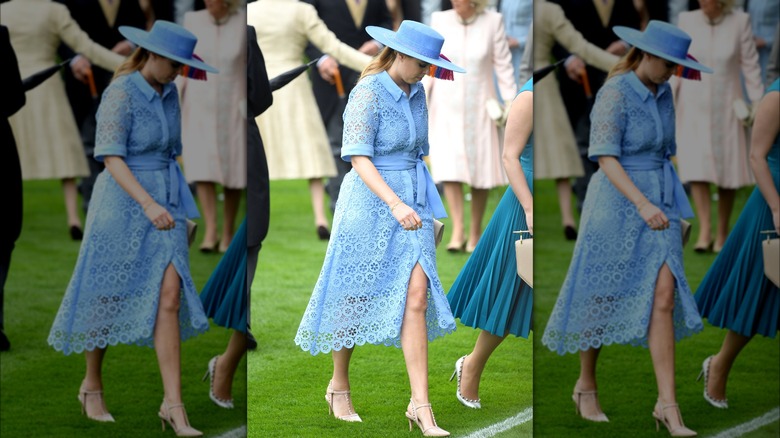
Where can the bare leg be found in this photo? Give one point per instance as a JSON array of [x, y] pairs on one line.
[[721, 363], [167, 343], [340, 380], [71, 192], [725, 206], [564, 201], [660, 338], [207, 195], [414, 343], [232, 201], [475, 362], [453, 192], [700, 191], [478, 203], [586, 383], [93, 381], [317, 189], [227, 364]]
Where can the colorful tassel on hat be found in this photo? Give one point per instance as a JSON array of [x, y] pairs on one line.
[[192, 72], [441, 72], [687, 72]]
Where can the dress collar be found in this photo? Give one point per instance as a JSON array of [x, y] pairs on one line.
[[642, 90], [148, 91], [393, 88]]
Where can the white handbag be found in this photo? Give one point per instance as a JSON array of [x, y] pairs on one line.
[[438, 231], [524, 250], [771, 250]]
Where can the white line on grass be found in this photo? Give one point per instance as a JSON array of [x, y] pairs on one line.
[[238, 432], [494, 429], [751, 425]]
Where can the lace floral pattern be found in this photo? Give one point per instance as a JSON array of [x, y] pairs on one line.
[[360, 295], [608, 292], [114, 292]]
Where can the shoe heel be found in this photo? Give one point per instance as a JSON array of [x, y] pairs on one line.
[[410, 423], [657, 426], [205, 376], [453, 374], [163, 424], [701, 373]]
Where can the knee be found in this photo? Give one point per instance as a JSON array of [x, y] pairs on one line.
[[664, 300], [170, 299], [417, 300]]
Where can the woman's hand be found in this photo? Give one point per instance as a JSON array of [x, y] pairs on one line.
[[653, 217], [776, 221], [407, 217], [529, 220], [159, 217]]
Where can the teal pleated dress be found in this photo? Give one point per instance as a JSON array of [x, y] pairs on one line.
[[224, 295], [488, 294], [735, 294]]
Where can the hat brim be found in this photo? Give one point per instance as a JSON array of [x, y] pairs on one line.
[[141, 38], [634, 37], [387, 37]]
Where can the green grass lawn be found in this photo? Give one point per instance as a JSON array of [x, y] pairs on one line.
[[38, 385], [627, 389], [287, 385]]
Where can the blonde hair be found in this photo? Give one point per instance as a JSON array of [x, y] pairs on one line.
[[380, 63], [135, 62], [627, 63]]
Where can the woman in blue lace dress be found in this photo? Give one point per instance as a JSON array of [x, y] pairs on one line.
[[132, 282], [735, 294], [378, 283], [626, 283], [488, 294]]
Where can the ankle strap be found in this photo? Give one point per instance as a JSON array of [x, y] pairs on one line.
[[84, 391]]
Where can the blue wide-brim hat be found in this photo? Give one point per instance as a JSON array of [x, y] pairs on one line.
[[169, 40], [663, 40], [416, 40]]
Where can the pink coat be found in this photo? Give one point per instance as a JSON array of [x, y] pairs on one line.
[[711, 141], [465, 143]]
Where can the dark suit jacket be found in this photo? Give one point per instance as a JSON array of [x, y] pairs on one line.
[[258, 99], [585, 18], [336, 16], [90, 18], [10, 169]]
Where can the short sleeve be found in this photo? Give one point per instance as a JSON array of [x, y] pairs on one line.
[[607, 123], [361, 122], [114, 120]]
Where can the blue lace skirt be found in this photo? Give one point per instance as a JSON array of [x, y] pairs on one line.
[[114, 292], [607, 296], [224, 295], [488, 294], [360, 294], [735, 293]]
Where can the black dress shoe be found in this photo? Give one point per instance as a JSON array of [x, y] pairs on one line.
[[323, 233], [5, 344], [251, 342], [76, 233], [570, 232]]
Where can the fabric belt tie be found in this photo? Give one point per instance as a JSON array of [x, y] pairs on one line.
[[427, 194], [674, 193], [179, 191]]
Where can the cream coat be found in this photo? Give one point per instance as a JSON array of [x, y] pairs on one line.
[[46, 134], [213, 112], [465, 143], [711, 141], [557, 155], [294, 136]]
